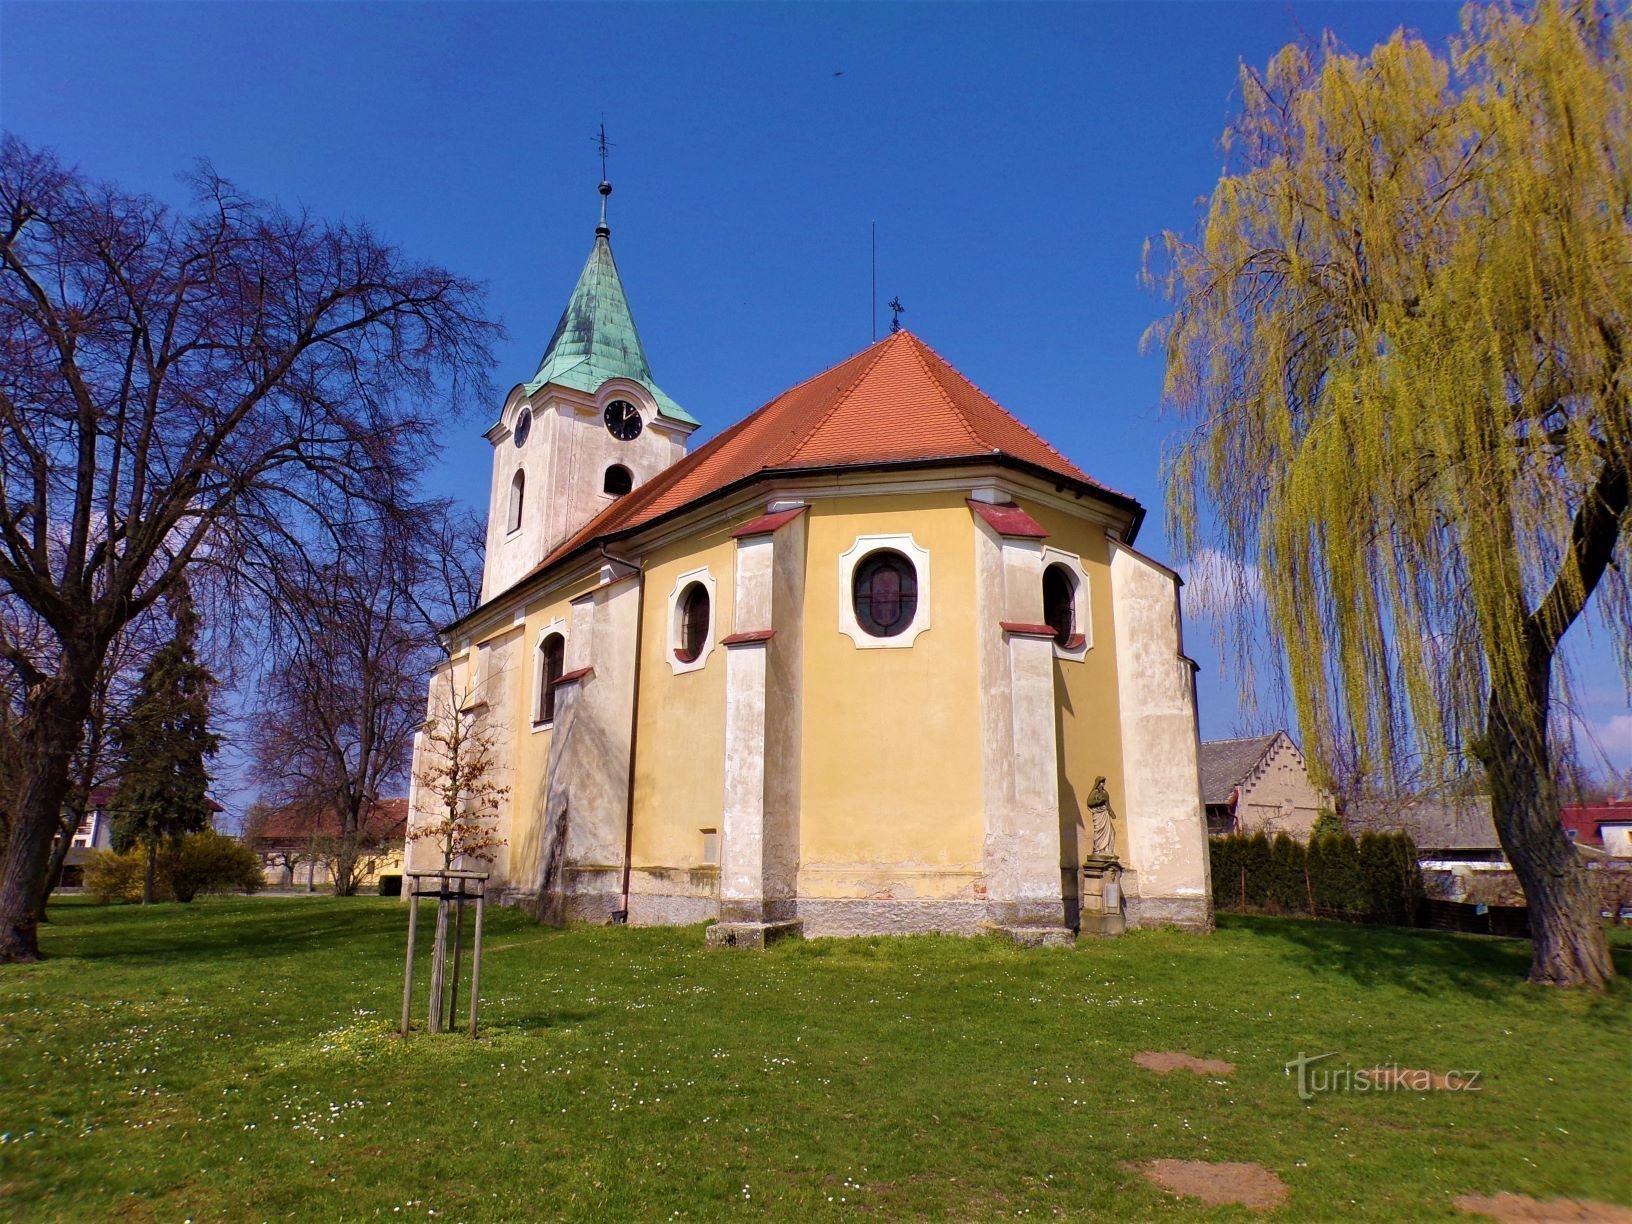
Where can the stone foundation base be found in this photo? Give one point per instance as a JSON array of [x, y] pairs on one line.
[[1039, 936], [1188, 913], [1102, 924], [749, 934], [854, 916], [668, 909], [598, 908]]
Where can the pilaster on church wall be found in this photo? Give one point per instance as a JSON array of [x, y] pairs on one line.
[[1166, 829], [1087, 714]]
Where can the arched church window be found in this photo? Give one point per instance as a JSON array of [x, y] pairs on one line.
[[618, 480], [694, 610], [518, 486], [552, 653], [885, 592], [1060, 602]]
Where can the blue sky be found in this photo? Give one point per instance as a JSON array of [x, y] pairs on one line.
[[1015, 157]]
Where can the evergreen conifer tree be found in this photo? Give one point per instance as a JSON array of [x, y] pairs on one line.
[[163, 745]]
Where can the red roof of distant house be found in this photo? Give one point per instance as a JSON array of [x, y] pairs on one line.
[[1584, 819], [386, 820], [895, 402]]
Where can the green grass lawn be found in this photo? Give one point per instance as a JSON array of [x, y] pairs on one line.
[[237, 1059]]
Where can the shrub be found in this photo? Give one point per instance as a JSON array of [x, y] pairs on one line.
[[1377, 880], [209, 862], [1255, 859], [1224, 857], [1326, 824], [1334, 876], [111, 876], [1287, 888]]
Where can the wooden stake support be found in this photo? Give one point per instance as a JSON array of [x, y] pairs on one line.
[[455, 887]]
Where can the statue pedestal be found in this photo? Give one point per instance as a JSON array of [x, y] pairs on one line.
[[1100, 895]]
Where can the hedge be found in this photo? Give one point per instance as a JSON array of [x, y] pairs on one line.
[[1373, 880]]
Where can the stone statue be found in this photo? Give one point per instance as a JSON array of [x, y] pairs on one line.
[[1099, 808]]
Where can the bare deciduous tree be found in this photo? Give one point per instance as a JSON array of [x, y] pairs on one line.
[[355, 639], [178, 390]]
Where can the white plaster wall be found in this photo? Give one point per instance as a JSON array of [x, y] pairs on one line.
[[586, 788], [996, 723], [1162, 809], [564, 460]]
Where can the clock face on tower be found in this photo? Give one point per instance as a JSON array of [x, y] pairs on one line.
[[623, 420]]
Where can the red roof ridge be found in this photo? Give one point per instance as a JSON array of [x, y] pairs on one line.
[[919, 348], [979, 390], [878, 349]]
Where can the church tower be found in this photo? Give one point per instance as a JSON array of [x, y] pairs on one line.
[[587, 428]]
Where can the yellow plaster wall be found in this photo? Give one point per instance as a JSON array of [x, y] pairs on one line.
[[1088, 719], [522, 822], [891, 763], [680, 724]]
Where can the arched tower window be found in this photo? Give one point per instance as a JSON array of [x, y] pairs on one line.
[[552, 652], [1060, 603], [618, 480], [518, 487]]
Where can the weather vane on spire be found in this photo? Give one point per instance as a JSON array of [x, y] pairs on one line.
[[895, 314], [606, 187]]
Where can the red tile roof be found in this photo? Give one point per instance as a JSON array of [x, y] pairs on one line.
[[385, 820], [1585, 818], [897, 401]]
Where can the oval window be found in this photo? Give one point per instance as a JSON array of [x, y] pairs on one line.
[[524, 426], [1060, 603], [885, 593], [693, 622]]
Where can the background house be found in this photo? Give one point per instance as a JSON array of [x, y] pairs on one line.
[[297, 845], [1259, 784], [1601, 826]]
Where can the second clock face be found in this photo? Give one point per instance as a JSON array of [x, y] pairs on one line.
[[623, 420]]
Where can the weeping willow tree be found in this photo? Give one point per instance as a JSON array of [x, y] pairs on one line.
[[1400, 342]]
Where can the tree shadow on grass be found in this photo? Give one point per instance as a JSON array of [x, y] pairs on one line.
[[1422, 961], [205, 929]]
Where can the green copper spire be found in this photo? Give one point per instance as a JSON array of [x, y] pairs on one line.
[[596, 338]]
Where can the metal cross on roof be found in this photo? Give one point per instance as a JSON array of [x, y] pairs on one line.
[[606, 187], [895, 314]]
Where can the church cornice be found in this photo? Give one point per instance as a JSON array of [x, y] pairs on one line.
[[1119, 514]]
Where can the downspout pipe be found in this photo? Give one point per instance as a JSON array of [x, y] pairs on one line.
[[622, 914]]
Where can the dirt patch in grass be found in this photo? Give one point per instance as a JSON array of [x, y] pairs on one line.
[[1522, 1209], [1164, 1061], [1216, 1183]]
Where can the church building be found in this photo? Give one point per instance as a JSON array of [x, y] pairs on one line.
[[861, 663]]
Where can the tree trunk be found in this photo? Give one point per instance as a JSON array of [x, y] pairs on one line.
[[345, 867], [152, 866], [1568, 945], [60, 845], [50, 736]]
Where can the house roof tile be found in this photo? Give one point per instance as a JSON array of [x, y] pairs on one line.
[[1226, 763]]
